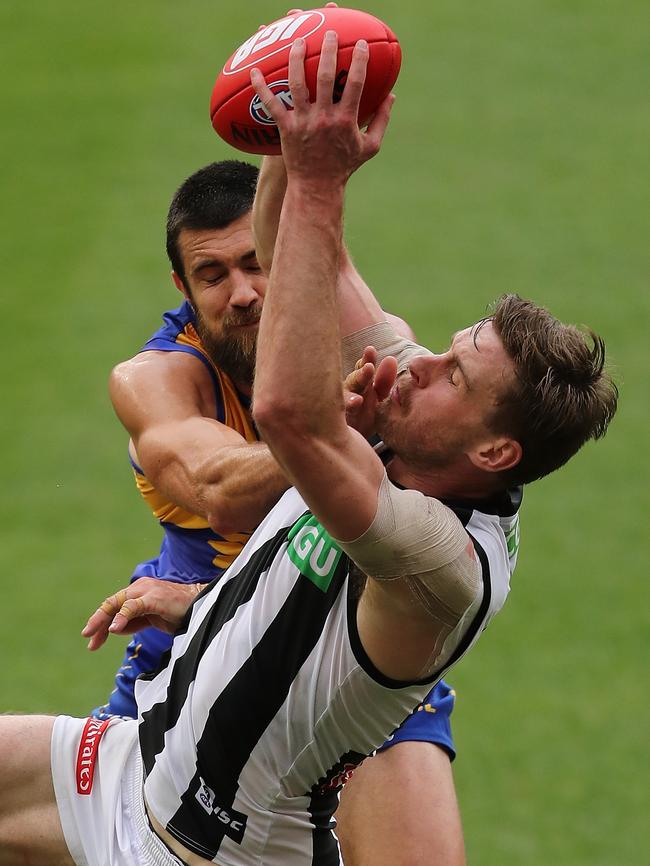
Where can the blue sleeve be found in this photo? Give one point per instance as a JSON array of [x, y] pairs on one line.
[[429, 722]]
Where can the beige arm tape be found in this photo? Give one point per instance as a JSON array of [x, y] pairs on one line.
[[382, 336], [419, 540]]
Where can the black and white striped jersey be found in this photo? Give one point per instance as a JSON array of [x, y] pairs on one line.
[[268, 699]]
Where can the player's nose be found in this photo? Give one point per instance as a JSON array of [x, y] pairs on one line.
[[243, 292], [422, 368]]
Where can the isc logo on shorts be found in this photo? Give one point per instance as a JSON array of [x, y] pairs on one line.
[[87, 754]]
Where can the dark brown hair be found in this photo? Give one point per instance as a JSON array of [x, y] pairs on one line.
[[562, 395], [211, 198]]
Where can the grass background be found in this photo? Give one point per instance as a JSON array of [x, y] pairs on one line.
[[516, 160]]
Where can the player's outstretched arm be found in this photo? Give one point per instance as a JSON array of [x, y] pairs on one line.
[[358, 306], [267, 207], [165, 401], [298, 400]]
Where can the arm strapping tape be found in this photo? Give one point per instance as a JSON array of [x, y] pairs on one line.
[[382, 336], [417, 539]]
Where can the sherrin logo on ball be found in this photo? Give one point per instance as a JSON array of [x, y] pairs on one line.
[[282, 91], [237, 113]]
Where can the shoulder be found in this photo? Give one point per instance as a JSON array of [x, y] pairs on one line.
[[153, 375]]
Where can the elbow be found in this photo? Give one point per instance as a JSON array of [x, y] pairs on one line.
[[275, 418], [226, 521]]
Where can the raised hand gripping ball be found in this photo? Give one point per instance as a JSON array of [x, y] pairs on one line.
[[237, 113]]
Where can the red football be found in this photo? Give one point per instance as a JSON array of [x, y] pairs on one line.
[[237, 114]]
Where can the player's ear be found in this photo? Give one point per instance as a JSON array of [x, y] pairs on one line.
[[180, 285], [496, 455]]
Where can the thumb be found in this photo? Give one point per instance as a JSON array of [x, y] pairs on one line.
[[385, 377]]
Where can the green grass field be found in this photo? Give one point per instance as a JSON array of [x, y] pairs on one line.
[[516, 160]]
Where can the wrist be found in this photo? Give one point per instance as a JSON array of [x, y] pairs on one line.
[[321, 189]]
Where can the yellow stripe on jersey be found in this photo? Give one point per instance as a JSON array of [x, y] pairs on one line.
[[228, 547], [165, 510]]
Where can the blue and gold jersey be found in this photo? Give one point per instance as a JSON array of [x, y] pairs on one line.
[[191, 552]]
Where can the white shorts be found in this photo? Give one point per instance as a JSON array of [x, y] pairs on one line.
[[97, 776]]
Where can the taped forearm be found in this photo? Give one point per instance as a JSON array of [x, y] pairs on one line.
[[382, 336]]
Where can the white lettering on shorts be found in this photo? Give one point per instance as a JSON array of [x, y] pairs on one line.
[[87, 753]]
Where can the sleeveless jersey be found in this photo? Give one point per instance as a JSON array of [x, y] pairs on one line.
[[191, 551], [268, 700]]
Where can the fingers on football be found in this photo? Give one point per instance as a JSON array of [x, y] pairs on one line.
[[270, 102], [356, 77], [297, 83], [327, 69]]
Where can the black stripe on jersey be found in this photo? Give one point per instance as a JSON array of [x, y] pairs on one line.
[[325, 847], [503, 504], [234, 592], [244, 709], [323, 803]]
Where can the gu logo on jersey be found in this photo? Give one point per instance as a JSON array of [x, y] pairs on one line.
[[234, 822], [281, 90], [87, 753], [313, 550], [273, 39]]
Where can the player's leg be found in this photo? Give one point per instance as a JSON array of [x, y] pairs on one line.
[[30, 829], [400, 807]]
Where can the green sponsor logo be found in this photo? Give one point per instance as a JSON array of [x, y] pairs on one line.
[[512, 538], [313, 551]]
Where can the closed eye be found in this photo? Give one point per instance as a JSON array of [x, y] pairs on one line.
[[212, 279]]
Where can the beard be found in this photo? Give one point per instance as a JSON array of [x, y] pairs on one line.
[[234, 353], [429, 451]]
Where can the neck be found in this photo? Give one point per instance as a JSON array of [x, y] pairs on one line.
[[458, 481]]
